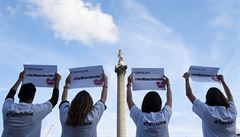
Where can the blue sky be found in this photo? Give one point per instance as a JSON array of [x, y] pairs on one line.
[[151, 33]]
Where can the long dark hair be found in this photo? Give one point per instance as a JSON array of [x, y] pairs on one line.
[[80, 107], [215, 97], [152, 102]]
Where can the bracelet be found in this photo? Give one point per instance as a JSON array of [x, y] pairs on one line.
[[104, 86], [129, 85], [65, 87]]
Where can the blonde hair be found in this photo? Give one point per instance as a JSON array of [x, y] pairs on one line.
[[81, 106]]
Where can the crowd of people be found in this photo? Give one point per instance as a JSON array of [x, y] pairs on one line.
[[81, 117]]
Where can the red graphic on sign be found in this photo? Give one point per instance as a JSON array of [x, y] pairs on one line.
[[98, 82], [160, 84], [50, 81]]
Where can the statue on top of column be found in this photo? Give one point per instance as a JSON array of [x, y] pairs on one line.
[[120, 57]]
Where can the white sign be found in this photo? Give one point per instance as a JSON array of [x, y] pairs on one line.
[[86, 77], [148, 78], [40, 75], [203, 74]]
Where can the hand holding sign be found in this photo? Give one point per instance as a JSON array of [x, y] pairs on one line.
[[21, 76], [130, 79], [186, 75], [166, 81], [105, 79], [67, 81], [220, 78], [57, 78]]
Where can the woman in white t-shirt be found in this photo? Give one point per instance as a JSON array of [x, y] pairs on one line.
[[151, 120], [218, 113], [80, 118]]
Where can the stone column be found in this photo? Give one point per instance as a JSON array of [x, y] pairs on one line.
[[120, 69]]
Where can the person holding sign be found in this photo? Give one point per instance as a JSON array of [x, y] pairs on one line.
[[152, 120], [218, 113], [80, 118], [24, 119]]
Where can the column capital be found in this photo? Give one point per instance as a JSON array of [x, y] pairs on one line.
[[120, 69]]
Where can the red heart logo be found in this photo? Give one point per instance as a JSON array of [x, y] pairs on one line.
[[50, 81], [160, 84], [98, 82]]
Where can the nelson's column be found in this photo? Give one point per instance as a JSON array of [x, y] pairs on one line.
[[120, 69]]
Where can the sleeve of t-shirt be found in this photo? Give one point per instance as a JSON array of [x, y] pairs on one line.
[[134, 113], [42, 110], [98, 109], [232, 108], [63, 109], [7, 103], [167, 111], [199, 108]]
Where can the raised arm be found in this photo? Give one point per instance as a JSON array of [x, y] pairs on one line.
[[129, 92], [169, 92], [66, 87], [14, 88], [55, 93], [226, 89], [189, 93], [104, 88]]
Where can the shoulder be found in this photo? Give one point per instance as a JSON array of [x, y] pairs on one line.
[[64, 103], [232, 108], [64, 106], [231, 103], [134, 111], [43, 106], [100, 104], [134, 108], [197, 103], [8, 102], [167, 109]]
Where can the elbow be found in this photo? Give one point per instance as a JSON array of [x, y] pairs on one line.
[[104, 99], [129, 100], [188, 94]]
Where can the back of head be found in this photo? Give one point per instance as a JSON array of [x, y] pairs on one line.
[[27, 93], [215, 97], [80, 107], [152, 102]]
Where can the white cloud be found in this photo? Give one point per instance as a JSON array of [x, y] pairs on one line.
[[227, 14], [76, 20], [223, 21], [12, 10]]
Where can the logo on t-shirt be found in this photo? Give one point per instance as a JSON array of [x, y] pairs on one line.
[[158, 123], [19, 114], [220, 122], [86, 124]]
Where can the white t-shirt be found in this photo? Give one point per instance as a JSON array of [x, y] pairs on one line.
[[217, 121], [89, 129], [151, 124], [23, 119]]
